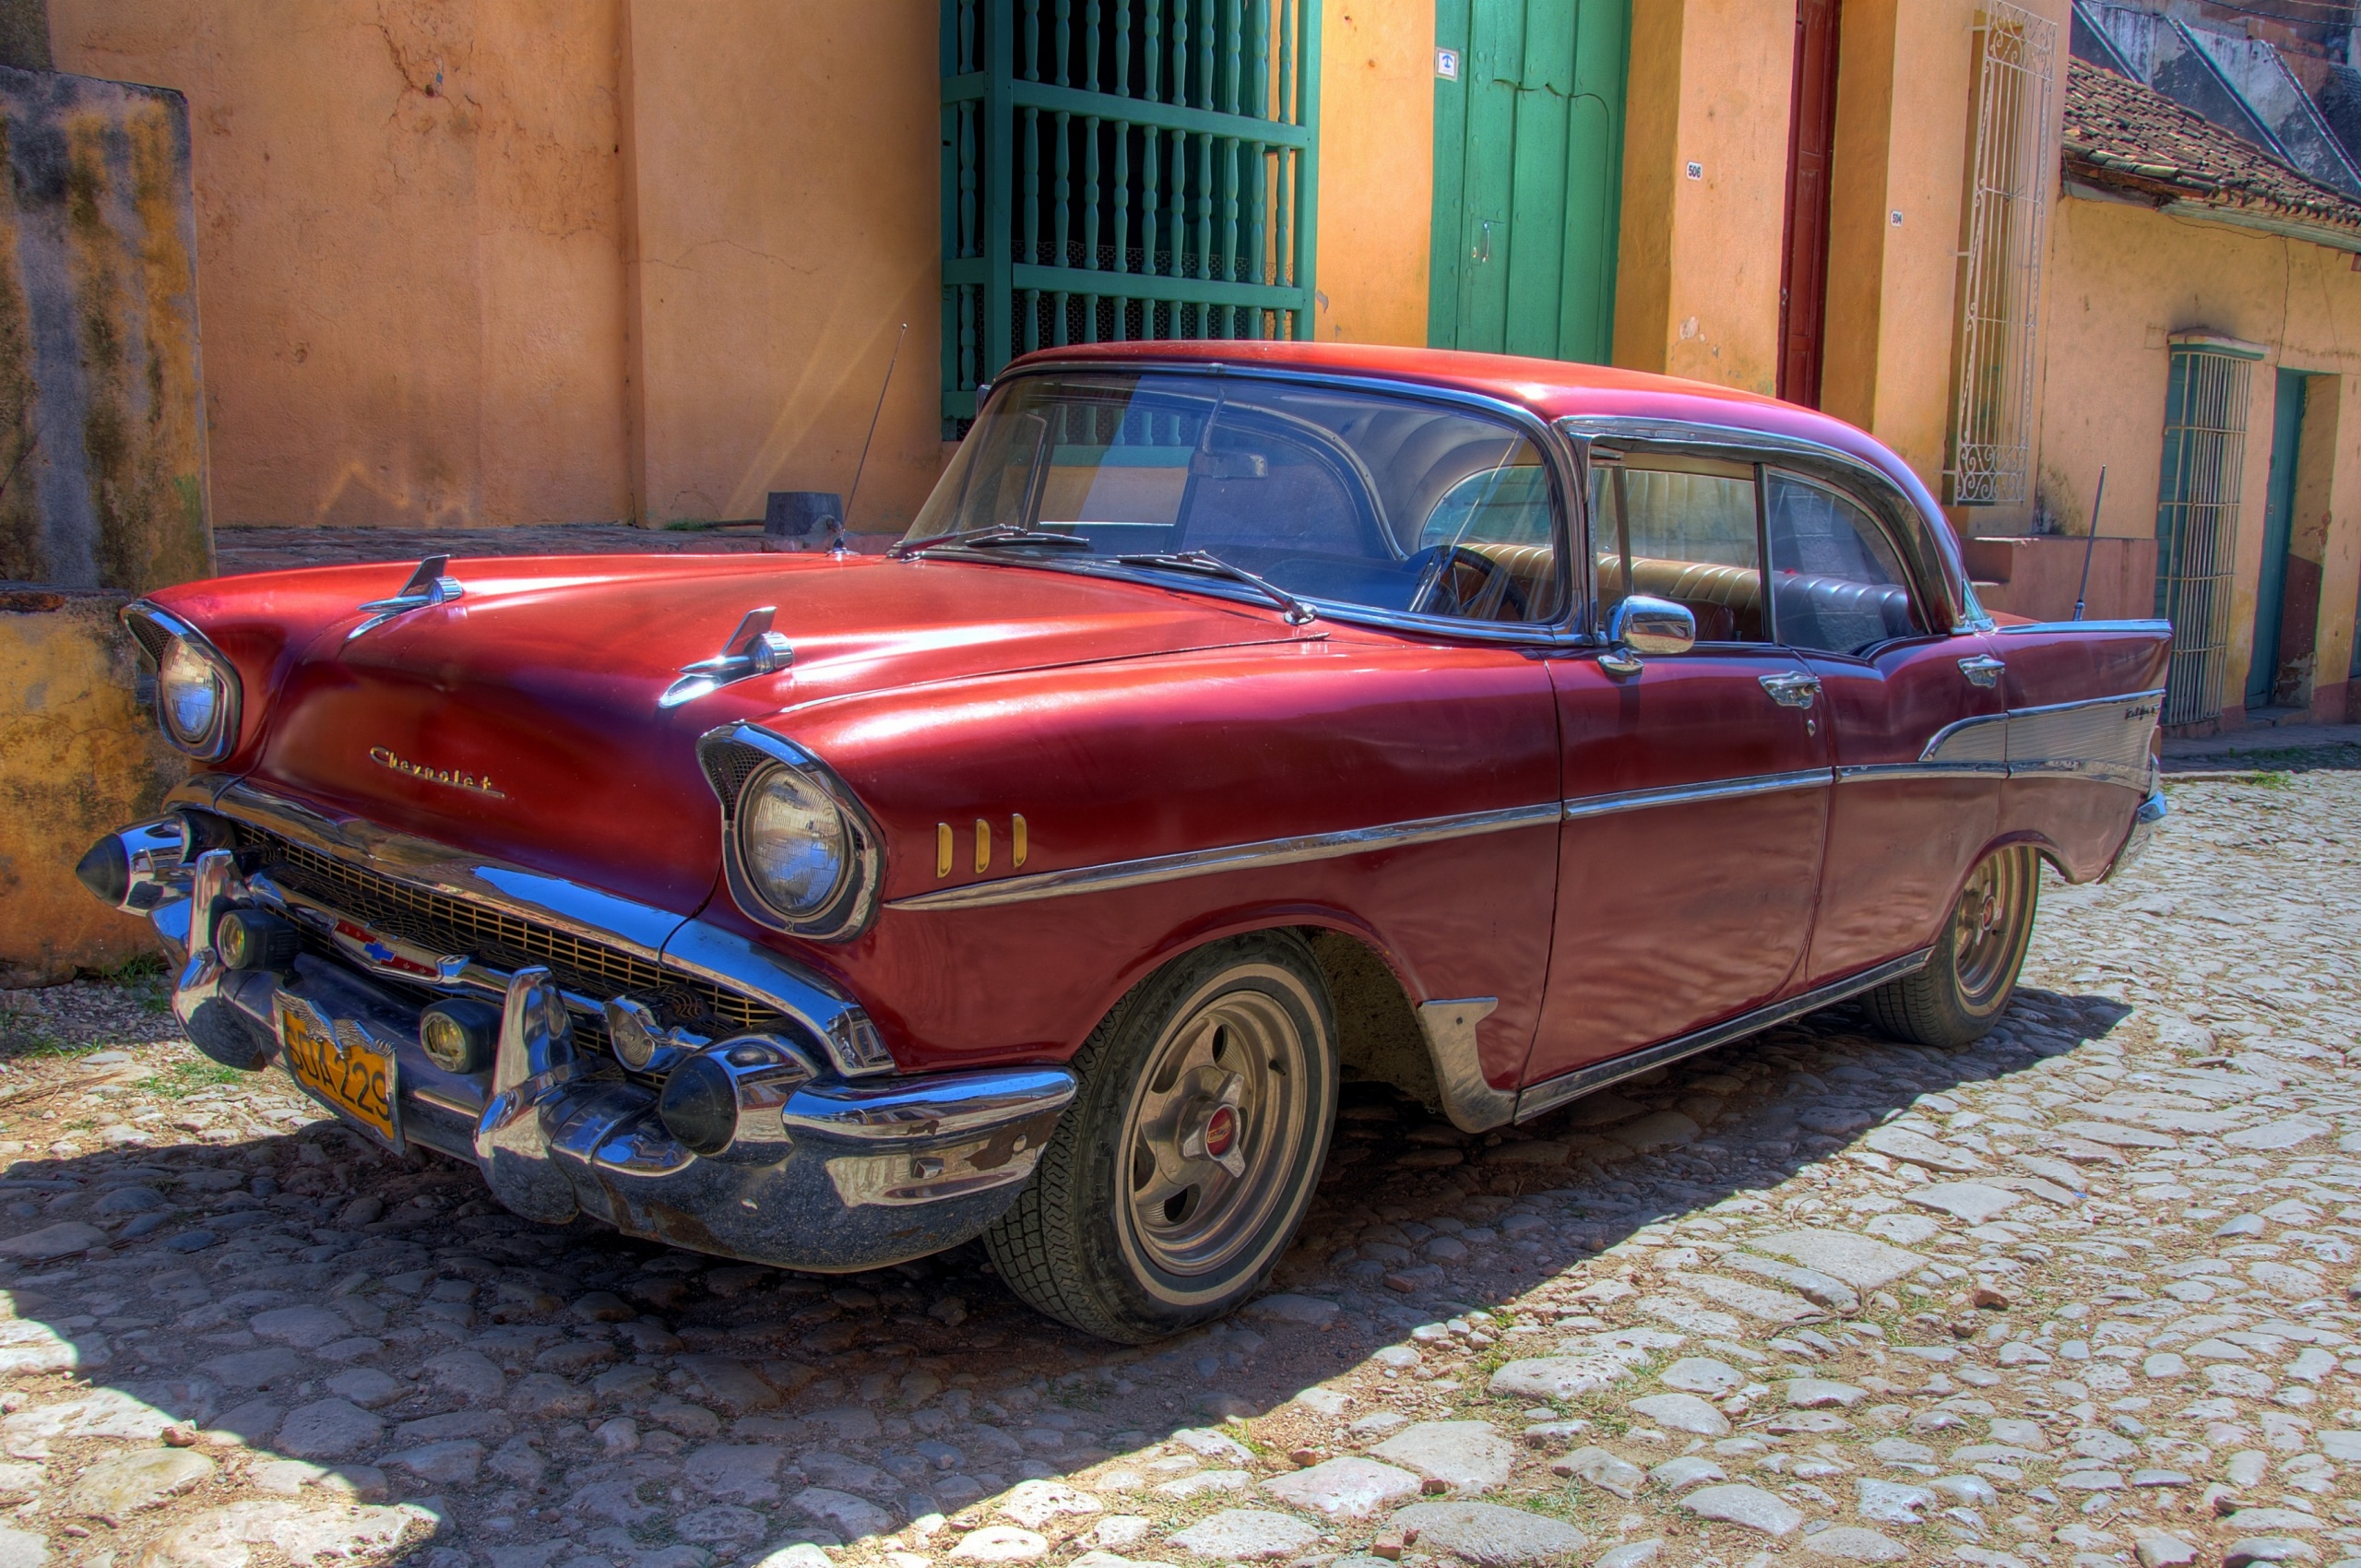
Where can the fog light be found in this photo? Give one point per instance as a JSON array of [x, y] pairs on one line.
[[700, 1105], [459, 1036], [249, 939]]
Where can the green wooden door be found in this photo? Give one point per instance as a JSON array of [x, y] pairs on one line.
[[2278, 525], [1529, 176]]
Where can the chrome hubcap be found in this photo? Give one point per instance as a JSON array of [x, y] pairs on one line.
[[1985, 930], [1215, 1127]]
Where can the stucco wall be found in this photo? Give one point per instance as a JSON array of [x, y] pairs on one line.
[[2124, 279], [1377, 169], [78, 756], [102, 435], [1698, 260], [409, 249], [784, 165]]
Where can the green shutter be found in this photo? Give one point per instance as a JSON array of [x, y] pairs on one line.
[[1529, 176], [1115, 170]]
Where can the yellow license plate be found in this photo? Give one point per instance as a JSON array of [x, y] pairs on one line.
[[352, 1076]]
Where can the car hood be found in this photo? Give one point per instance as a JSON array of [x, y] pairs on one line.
[[522, 721]]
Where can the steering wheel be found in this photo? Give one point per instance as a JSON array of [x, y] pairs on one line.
[[1456, 580]]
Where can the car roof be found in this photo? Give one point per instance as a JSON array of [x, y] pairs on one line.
[[1550, 388]]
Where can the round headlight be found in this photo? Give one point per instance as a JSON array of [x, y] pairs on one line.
[[191, 695], [792, 840]]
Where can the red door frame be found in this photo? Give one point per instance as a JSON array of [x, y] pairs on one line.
[[1812, 143]]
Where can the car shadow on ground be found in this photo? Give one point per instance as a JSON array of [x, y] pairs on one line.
[[386, 1325]]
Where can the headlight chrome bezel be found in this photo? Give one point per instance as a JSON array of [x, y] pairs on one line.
[[739, 757], [160, 633]]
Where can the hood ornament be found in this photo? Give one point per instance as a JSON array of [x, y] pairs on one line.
[[427, 588], [753, 649]]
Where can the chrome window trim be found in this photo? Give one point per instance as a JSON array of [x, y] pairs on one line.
[[1763, 447], [233, 694], [679, 943], [1688, 794], [1573, 518], [1115, 874], [853, 905], [2158, 628]]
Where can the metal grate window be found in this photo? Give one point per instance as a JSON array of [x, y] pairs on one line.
[[1124, 168], [2197, 518], [1991, 435]]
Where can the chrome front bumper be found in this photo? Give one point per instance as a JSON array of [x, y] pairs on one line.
[[826, 1169]]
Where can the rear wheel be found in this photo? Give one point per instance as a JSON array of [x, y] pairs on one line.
[[1972, 973], [1182, 1169]]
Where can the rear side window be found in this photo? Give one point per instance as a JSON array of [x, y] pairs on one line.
[[1837, 583], [1687, 533]]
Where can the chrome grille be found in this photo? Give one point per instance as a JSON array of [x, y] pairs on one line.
[[501, 940]]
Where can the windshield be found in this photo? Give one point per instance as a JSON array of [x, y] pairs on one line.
[[1343, 497]]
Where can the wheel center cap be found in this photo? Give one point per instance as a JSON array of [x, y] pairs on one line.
[[1221, 1131]]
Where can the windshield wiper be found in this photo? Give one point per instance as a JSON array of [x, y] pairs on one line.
[[986, 539], [1298, 613]]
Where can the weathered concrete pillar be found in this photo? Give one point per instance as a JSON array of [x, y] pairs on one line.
[[102, 476]]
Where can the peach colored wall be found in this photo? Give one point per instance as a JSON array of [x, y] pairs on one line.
[[1904, 103], [1698, 260], [409, 249], [1377, 168], [2122, 280], [784, 165]]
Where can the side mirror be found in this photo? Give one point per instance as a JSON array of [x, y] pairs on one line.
[[1641, 624]]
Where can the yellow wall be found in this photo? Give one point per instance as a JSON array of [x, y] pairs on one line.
[[1697, 289], [2123, 279], [78, 758], [1904, 106], [785, 166], [409, 249], [1377, 168]]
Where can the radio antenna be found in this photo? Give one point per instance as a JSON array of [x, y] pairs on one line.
[[864, 464], [2090, 543]]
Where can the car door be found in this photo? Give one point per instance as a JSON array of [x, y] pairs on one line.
[[1915, 713], [1696, 784]]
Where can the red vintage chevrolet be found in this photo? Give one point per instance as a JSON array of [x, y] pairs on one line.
[[1233, 714]]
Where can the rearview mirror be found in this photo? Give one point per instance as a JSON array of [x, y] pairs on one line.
[[1649, 626]]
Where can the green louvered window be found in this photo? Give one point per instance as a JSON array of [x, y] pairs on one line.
[[1116, 169]]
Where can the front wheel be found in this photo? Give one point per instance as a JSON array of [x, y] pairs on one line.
[[1971, 974], [1182, 1169]]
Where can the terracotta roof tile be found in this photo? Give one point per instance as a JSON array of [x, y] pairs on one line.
[[2122, 136]]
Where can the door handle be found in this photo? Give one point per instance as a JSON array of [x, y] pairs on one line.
[[1486, 253], [1791, 688], [1983, 670]]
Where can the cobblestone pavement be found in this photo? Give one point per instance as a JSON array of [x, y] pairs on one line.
[[2075, 1297]]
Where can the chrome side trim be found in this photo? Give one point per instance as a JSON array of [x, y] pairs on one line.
[[1468, 1099], [1686, 794], [1554, 1092], [2159, 628], [2106, 738], [1981, 742], [691, 946], [1116, 874], [1880, 772]]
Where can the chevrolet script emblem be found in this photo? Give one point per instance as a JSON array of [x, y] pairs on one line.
[[478, 782]]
